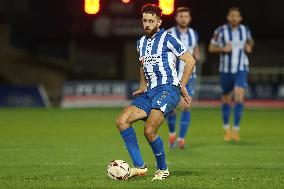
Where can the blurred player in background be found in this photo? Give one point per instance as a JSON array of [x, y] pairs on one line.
[[159, 92], [189, 38], [232, 41]]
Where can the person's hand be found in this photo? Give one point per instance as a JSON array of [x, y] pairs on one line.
[[248, 48], [196, 54], [185, 95], [227, 48], [139, 91]]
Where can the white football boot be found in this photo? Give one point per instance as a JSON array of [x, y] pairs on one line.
[[161, 174], [138, 171]]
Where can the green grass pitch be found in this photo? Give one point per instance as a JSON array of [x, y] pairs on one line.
[[71, 149]]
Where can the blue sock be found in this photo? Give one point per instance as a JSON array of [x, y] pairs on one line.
[[184, 123], [226, 108], [238, 110], [158, 150], [172, 123], [131, 144]]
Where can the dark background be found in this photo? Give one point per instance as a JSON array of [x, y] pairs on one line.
[[49, 42]]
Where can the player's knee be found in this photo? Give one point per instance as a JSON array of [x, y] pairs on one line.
[[118, 121], [121, 122], [239, 96], [149, 133], [226, 99], [173, 113], [239, 99], [186, 107]]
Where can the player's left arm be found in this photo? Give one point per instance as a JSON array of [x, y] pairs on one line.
[[176, 46], [196, 53], [250, 42], [196, 50], [189, 63], [249, 45]]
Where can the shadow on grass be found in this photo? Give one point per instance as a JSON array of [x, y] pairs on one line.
[[182, 173], [243, 143]]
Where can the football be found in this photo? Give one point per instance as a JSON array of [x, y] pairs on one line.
[[118, 170]]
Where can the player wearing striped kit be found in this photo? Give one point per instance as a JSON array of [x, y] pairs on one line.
[[159, 91], [233, 41], [189, 38]]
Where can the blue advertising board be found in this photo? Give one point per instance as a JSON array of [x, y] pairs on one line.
[[23, 96]]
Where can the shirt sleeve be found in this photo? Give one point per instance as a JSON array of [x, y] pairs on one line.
[[176, 46], [217, 37], [249, 36], [169, 30], [196, 36], [138, 49]]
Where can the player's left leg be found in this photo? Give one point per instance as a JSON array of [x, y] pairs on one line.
[[239, 93], [153, 123], [163, 102], [184, 122], [185, 114], [172, 128]]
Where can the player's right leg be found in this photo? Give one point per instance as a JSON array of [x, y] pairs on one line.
[[226, 109], [129, 115], [227, 84]]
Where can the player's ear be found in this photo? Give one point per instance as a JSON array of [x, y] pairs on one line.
[[228, 17], [160, 22], [241, 18], [176, 18], [190, 18]]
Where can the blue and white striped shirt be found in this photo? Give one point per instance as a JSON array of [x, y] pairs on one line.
[[236, 60], [190, 40], [158, 56]]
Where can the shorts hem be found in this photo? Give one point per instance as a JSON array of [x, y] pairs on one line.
[[137, 106]]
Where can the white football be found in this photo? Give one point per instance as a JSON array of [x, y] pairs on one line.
[[118, 170]]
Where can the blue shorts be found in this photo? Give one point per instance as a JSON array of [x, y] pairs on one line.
[[190, 86], [228, 81], [163, 97]]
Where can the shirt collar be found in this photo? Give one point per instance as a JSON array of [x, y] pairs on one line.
[[230, 27], [177, 30], [158, 33]]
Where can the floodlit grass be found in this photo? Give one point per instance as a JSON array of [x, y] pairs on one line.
[[71, 149]]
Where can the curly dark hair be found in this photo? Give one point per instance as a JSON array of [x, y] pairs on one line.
[[234, 9], [152, 9], [183, 9]]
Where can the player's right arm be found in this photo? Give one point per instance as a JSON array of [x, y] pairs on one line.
[[143, 83], [216, 41], [216, 49]]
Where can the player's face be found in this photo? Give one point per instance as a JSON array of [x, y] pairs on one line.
[[183, 19], [234, 18], [151, 23]]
